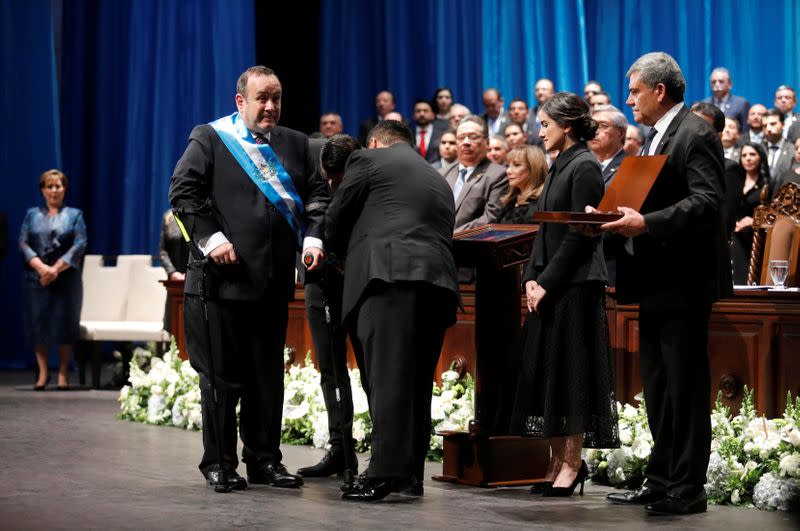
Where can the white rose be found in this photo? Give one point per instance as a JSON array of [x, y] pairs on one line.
[[359, 433], [794, 437], [641, 448], [625, 436], [449, 376], [629, 412], [437, 408], [735, 496], [790, 465]]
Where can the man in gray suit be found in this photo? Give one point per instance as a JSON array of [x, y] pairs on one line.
[[780, 152], [477, 183], [607, 144]]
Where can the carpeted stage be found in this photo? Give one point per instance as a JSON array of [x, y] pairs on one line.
[[68, 463]]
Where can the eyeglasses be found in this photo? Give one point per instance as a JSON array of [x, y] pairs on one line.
[[474, 137]]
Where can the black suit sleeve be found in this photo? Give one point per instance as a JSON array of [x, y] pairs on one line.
[[704, 177], [317, 197], [190, 186], [575, 248], [347, 204]]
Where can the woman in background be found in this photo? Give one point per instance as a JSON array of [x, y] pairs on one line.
[[565, 390], [174, 253], [442, 101], [53, 241], [527, 169], [753, 159]]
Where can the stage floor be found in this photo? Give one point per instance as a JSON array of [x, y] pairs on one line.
[[68, 463]]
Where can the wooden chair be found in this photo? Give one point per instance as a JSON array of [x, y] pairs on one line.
[[776, 235]]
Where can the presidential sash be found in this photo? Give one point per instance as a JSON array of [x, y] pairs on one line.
[[261, 164]]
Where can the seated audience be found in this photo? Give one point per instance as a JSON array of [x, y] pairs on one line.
[[384, 104], [634, 140], [518, 114], [601, 98], [609, 140], [457, 113], [447, 151], [734, 106], [442, 102], [515, 136], [330, 124], [756, 169], [527, 169], [53, 242], [477, 183], [730, 139], [590, 89], [495, 115], [755, 126], [426, 130], [791, 175], [785, 101], [498, 149]]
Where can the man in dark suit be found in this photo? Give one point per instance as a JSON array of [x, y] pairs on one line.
[[384, 104], [392, 220], [245, 189], [785, 101], [755, 125], [495, 116], [730, 105], [477, 183], [675, 267], [734, 173], [427, 131], [518, 114]]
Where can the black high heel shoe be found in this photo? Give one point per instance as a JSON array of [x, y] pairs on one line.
[[541, 487], [583, 473], [43, 386]]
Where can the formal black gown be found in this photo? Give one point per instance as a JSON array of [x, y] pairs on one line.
[[742, 241], [566, 383], [518, 215]]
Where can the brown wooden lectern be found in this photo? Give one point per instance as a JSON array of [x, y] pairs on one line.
[[485, 456]]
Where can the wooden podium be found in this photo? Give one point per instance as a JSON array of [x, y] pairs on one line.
[[485, 455]]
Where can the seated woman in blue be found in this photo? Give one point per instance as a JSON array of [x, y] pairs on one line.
[[53, 242]]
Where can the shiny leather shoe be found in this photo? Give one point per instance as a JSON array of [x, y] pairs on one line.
[[274, 474], [333, 462], [580, 477], [541, 487], [225, 480], [641, 496], [679, 505], [377, 489]]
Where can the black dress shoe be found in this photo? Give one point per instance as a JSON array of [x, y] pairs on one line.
[[224, 480], [333, 462], [274, 474], [377, 489], [641, 496], [679, 504], [416, 489]]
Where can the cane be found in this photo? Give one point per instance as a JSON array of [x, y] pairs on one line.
[[223, 485], [347, 475]]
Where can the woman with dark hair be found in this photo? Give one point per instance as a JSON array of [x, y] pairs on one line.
[[753, 159], [442, 101], [565, 390], [52, 241], [527, 168]]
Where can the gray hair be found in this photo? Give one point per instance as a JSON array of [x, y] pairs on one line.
[[460, 106], [501, 139], [477, 120], [721, 70], [618, 119], [660, 67]]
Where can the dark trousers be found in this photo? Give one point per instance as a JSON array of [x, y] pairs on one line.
[[400, 328], [330, 345], [673, 349], [244, 340]]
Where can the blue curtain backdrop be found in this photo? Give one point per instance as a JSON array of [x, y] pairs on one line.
[[136, 76], [30, 143], [411, 47]]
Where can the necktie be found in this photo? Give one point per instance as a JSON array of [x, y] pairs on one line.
[[459, 183], [259, 139], [773, 154], [422, 148], [650, 136]]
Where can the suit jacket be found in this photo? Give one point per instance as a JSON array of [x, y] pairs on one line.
[[735, 107], [747, 137], [683, 258], [561, 255], [432, 143], [480, 200], [219, 196], [504, 121], [785, 160], [611, 169], [793, 133], [735, 153], [392, 220]]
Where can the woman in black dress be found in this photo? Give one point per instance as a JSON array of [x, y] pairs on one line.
[[753, 159], [565, 390], [527, 168], [174, 254]]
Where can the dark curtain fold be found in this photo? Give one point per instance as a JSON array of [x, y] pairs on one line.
[[31, 144]]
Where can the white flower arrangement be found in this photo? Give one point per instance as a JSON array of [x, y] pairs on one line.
[[753, 461]]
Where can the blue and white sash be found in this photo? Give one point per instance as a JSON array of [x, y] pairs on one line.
[[261, 164]]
